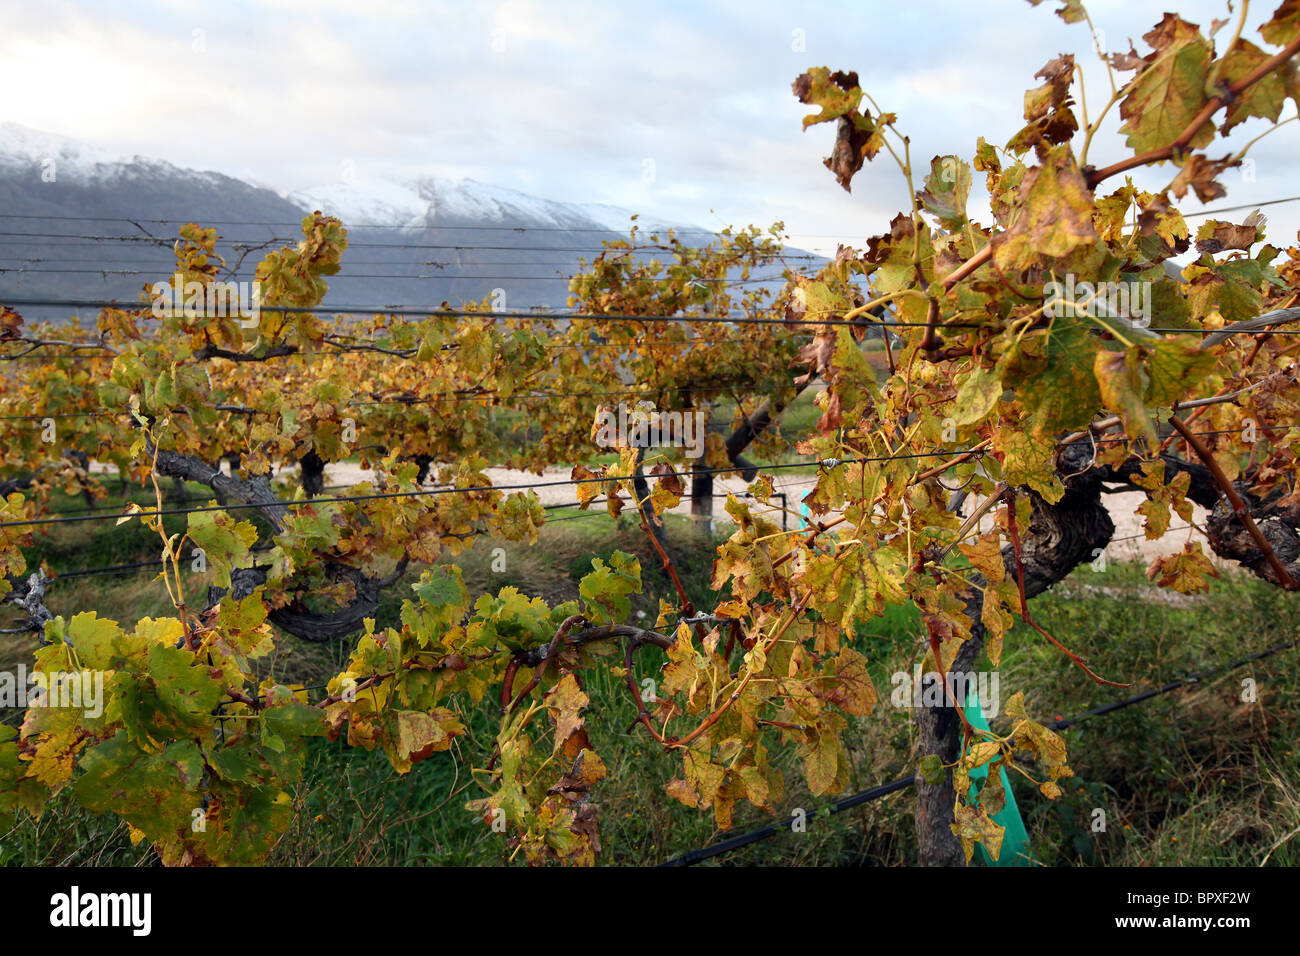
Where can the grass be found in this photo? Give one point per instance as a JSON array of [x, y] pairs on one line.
[[1196, 777]]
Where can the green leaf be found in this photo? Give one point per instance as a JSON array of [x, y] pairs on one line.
[[931, 769], [1028, 461], [1263, 98], [225, 542], [94, 639], [1174, 366], [175, 695], [979, 391], [512, 618], [1056, 387], [154, 792], [1281, 28], [443, 600], [605, 590]]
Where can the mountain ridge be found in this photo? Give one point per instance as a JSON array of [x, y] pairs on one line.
[[82, 222]]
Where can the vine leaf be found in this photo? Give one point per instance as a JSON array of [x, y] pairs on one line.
[[1169, 91], [1052, 213], [1047, 108], [979, 391], [1263, 98], [947, 187], [1119, 376], [1185, 572], [1054, 378]]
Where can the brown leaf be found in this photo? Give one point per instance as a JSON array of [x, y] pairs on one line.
[[845, 254], [816, 355], [586, 489], [1047, 108], [669, 479], [1170, 31], [9, 323], [848, 153], [614, 504], [1201, 175], [1215, 236], [832, 418], [1126, 61], [1159, 218]]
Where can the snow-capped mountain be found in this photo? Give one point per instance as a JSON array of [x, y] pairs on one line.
[[22, 146], [83, 223], [432, 201]]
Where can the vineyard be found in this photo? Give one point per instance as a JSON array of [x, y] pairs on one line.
[[701, 553]]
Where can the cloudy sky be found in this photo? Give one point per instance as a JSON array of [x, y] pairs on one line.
[[680, 110]]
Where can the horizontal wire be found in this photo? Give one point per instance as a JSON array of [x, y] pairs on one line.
[[448, 277], [684, 230], [416, 311], [441, 312], [977, 451], [1255, 205], [1131, 537], [116, 509], [142, 565], [154, 263], [21, 238], [369, 344], [259, 549], [310, 502], [474, 396]]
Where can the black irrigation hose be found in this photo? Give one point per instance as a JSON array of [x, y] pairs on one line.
[[111, 569], [772, 829], [1171, 686]]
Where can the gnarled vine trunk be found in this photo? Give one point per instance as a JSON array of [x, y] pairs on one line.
[[1059, 538]]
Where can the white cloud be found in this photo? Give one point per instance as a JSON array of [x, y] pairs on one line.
[[573, 98]]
